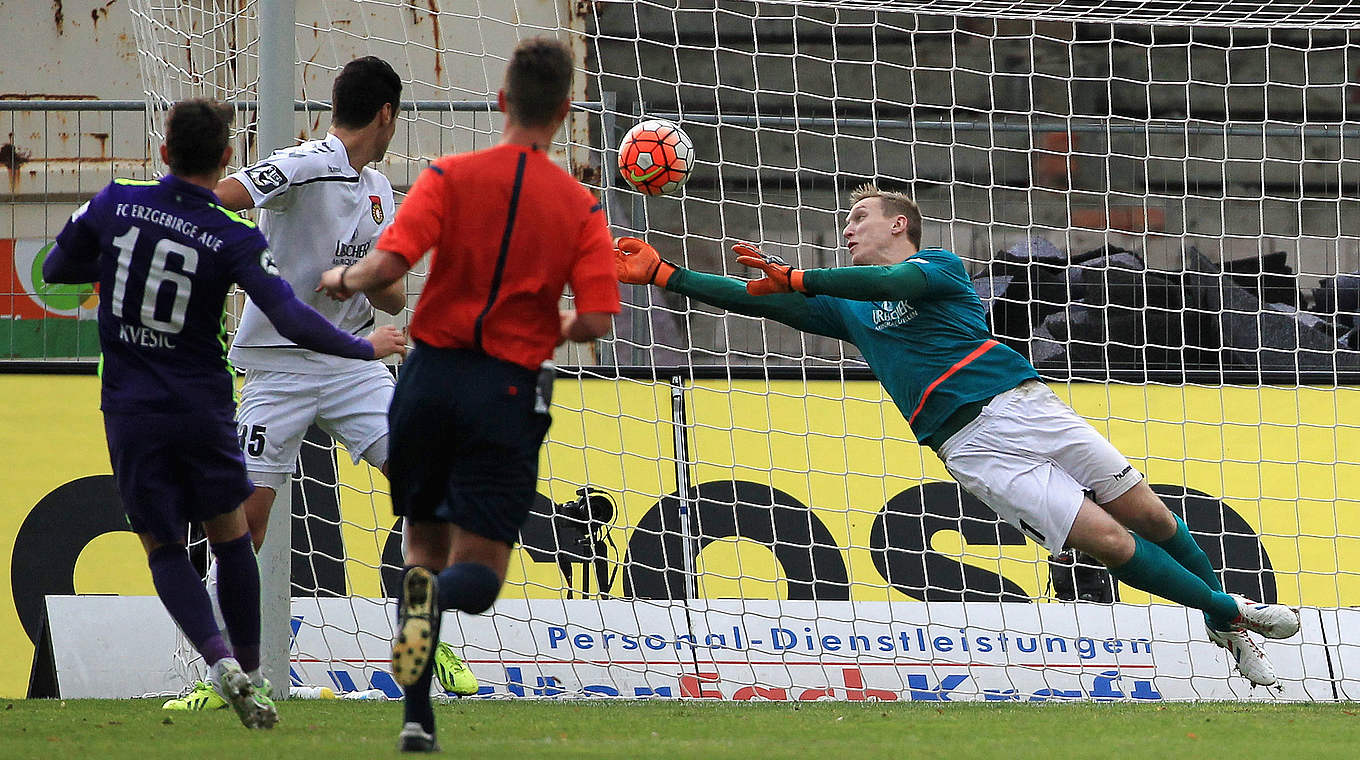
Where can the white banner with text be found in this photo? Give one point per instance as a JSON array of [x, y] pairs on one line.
[[120, 646]]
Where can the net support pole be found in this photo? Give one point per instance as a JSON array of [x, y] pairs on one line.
[[682, 487], [275, 127]]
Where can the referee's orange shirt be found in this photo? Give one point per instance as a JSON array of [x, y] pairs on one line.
[[509, 229]]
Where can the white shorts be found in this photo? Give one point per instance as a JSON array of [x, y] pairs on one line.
[[277, 408], [1032, 459]]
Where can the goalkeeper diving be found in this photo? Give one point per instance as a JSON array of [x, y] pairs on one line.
[[1001, 433]]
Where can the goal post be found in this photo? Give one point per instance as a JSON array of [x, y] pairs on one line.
[[1155, 202], [278, 51]]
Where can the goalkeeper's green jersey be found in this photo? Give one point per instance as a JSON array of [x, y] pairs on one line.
[[926, 342]]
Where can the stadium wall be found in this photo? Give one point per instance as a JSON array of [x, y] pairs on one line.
[[1263, 466], [972, 189]]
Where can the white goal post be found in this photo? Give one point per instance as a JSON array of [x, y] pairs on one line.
[[1156, 201]]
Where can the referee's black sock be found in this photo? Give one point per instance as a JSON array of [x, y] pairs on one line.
[[417, 706], [469, 587]]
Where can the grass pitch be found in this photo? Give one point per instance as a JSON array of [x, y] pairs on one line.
[[140, 730]]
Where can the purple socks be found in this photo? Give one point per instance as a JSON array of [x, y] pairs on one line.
[[238, 594], [187, 601]]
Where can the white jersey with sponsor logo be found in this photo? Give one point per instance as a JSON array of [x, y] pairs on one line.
[[317, 212]]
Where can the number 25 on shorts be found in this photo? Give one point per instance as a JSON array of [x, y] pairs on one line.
[[251, 439]]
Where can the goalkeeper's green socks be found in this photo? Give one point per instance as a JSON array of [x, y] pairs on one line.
[[1182, 548], [1153, 570]]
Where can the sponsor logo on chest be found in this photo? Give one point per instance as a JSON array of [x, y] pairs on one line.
[[892, 313], [350, 253]]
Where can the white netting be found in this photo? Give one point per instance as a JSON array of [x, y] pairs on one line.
[[1155, 200], [1334, 14]]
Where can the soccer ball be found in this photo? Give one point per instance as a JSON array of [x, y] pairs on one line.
[[656, 157]]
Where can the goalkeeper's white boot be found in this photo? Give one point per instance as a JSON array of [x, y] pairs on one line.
[[1250, 659], [1274, 621], [416, 615]]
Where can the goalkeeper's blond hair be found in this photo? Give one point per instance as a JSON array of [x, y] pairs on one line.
[[893, 204]]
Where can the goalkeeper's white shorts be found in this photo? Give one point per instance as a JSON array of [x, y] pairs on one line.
[[1032, 459], [277, 408]]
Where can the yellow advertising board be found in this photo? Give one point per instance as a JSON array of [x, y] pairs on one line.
[[53, 435], [799, 489], [1260, 470]]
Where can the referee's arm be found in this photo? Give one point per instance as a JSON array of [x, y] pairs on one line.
[[374, 272], [391, 299], [584, 326]]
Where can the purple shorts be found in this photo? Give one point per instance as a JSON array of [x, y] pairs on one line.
[[175, 469]]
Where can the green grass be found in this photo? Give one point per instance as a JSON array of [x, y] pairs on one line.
[[139, 729]]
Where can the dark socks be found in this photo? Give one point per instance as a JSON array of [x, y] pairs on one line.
[[238, 594], [469, 587], [185, 598], [1153, 570], [416, 705]]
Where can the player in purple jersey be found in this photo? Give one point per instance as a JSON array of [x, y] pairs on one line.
[[165, 256]]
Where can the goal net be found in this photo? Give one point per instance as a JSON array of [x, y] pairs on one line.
[[1156, 203]]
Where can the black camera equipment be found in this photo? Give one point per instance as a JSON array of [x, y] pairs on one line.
[[581, 528], [1075, 576]]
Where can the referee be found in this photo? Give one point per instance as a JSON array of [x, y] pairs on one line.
[[509, 229]]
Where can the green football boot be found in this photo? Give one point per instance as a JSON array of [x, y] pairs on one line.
[[453, 674], [253, 705], [265, 713], [201, 697]]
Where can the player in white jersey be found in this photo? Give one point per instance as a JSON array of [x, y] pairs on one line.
[[321, 205]]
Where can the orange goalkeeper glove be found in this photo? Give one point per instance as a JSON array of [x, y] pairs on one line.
[[779, 277], [636, 262]]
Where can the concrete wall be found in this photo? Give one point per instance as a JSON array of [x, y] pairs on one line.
[[74, 50]]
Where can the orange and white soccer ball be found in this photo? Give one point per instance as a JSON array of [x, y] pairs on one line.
[[656, 157]]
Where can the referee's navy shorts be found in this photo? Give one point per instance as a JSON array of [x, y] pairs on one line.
[[175, 469], [466, 430]]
